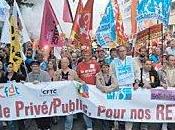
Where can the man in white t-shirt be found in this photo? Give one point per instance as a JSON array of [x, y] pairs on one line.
[[125, 70], [171, 50]]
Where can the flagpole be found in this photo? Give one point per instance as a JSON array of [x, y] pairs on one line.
[[25, 67], [133, 45], [149, 43], [21, 42], [22, 55], [60, 27], [162, 40]]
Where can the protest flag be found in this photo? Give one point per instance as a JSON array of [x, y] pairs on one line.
[[106, 31], [75, 27], [25, 37], [86, 23], [49, 35], [15, 46], [133, 17], [153, 32], [82, 26], [5, 37], [121, 37], [155, 9], [67, 13]]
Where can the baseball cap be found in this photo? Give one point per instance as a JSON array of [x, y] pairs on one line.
[[35, 62]]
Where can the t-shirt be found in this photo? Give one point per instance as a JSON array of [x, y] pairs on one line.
[[108, 60], [170, 51], [87, 71], [154, 58], [124, 70]]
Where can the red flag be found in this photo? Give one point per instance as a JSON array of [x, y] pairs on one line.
[[121, 37], [75, 27], [67, 13], [49, 35], [83, 23]]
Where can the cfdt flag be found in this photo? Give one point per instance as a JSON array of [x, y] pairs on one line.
[[67, 13], [154, 9], [49, 33], [106, 30], [83, 23]]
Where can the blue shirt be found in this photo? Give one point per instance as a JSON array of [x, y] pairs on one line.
[[154, 58], [108, 60], [43, 65]]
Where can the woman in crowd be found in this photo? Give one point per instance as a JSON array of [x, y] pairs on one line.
[[65, 73], [51, 69], [2, 73], [10, 75], [106, 82], [51, 55]]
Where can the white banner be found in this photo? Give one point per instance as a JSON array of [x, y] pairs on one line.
[[28, 100]]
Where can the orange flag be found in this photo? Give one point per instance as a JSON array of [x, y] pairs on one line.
[[121, 37], [75, 27], [83, 23], [133, 16]]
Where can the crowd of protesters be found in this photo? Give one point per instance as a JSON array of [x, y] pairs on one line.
[[96, 67]]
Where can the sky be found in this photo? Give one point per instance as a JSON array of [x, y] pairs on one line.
[[33, 16]]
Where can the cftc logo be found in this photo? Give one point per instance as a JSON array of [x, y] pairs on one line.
[[48, 92]]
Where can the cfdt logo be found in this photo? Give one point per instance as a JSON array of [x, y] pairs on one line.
[[82, 89], [48, 92], [122, 94], [9, 90]]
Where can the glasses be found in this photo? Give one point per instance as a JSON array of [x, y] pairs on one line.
[[171, 60], [148, 64], [122, 50]]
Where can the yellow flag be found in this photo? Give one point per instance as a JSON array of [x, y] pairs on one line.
[[15, 46]]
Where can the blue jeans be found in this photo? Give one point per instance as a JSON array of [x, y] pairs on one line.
[[1, 125], [88, 121], [140, 126], [12, 125], [68, 123], [106, 124], [171, 126]]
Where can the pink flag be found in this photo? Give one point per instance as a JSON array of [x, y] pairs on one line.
[[49, 33], [67, 13]]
